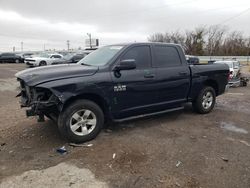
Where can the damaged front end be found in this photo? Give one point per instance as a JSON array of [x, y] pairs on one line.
[[40, 101]]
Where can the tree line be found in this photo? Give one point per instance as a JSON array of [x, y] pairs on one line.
[[215, 40]]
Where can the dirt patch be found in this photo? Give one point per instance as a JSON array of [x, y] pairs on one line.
[[61, 175], [9, 70], [233, 128], [9, 84]]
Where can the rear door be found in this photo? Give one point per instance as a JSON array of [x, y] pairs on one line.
[[173, 74], [134, 90]]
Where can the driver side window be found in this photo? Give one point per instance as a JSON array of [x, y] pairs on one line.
[[141, 55]]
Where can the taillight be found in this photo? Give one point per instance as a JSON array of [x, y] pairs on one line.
[[230, 75]]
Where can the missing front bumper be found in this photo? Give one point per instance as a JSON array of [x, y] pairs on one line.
[[31, 112], [43, 108]]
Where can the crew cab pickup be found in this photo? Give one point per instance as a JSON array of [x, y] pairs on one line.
[[119, 82]]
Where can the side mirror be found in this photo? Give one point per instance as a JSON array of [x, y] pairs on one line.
[[126, 64]]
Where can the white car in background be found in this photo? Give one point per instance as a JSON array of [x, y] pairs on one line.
[[42, 59], [234, 67]]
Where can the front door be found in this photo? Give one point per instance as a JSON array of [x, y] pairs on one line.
[[134, 89]]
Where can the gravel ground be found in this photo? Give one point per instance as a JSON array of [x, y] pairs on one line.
[[180, 149]]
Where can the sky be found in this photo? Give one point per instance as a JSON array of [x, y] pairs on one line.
[[50, 23]]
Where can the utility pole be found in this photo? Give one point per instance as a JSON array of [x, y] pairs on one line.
[[68, 44], [89, 35], [247, 59], [14, 48], [22, 46], [44, 47]]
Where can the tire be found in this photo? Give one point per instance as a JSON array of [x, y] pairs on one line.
[[86, 129], [205, 101], [42, 63], [17, 61]]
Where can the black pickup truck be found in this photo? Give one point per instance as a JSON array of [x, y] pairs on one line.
[[119, 82]]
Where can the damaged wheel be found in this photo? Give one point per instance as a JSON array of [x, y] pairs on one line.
[[81, 121]]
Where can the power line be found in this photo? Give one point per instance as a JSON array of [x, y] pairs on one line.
[[234, 17]]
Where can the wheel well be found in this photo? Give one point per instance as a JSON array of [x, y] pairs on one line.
[[92, 97], [212, 84]]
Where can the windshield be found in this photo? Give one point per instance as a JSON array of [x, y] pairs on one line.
[[101, 56], [43, 55], [236, 64], [68, 56]]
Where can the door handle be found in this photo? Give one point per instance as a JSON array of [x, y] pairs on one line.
[[183, 73], [149, 76]]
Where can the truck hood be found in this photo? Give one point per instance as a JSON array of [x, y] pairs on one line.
[[35, 76]]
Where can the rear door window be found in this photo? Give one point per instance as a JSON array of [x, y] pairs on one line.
[[166, 56]]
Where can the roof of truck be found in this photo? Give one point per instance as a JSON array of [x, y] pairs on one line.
[[141, 43]]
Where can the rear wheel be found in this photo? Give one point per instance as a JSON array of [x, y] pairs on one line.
[[81, 121], [205, 101], [17, 61]]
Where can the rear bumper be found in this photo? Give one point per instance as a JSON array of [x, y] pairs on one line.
[[234, 83], [227, 88]]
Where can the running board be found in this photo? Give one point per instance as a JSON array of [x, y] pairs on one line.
[[150, 114]]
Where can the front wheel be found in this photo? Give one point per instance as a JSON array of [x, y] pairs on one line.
[[42, 63], [81, 121], [205, 101]]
